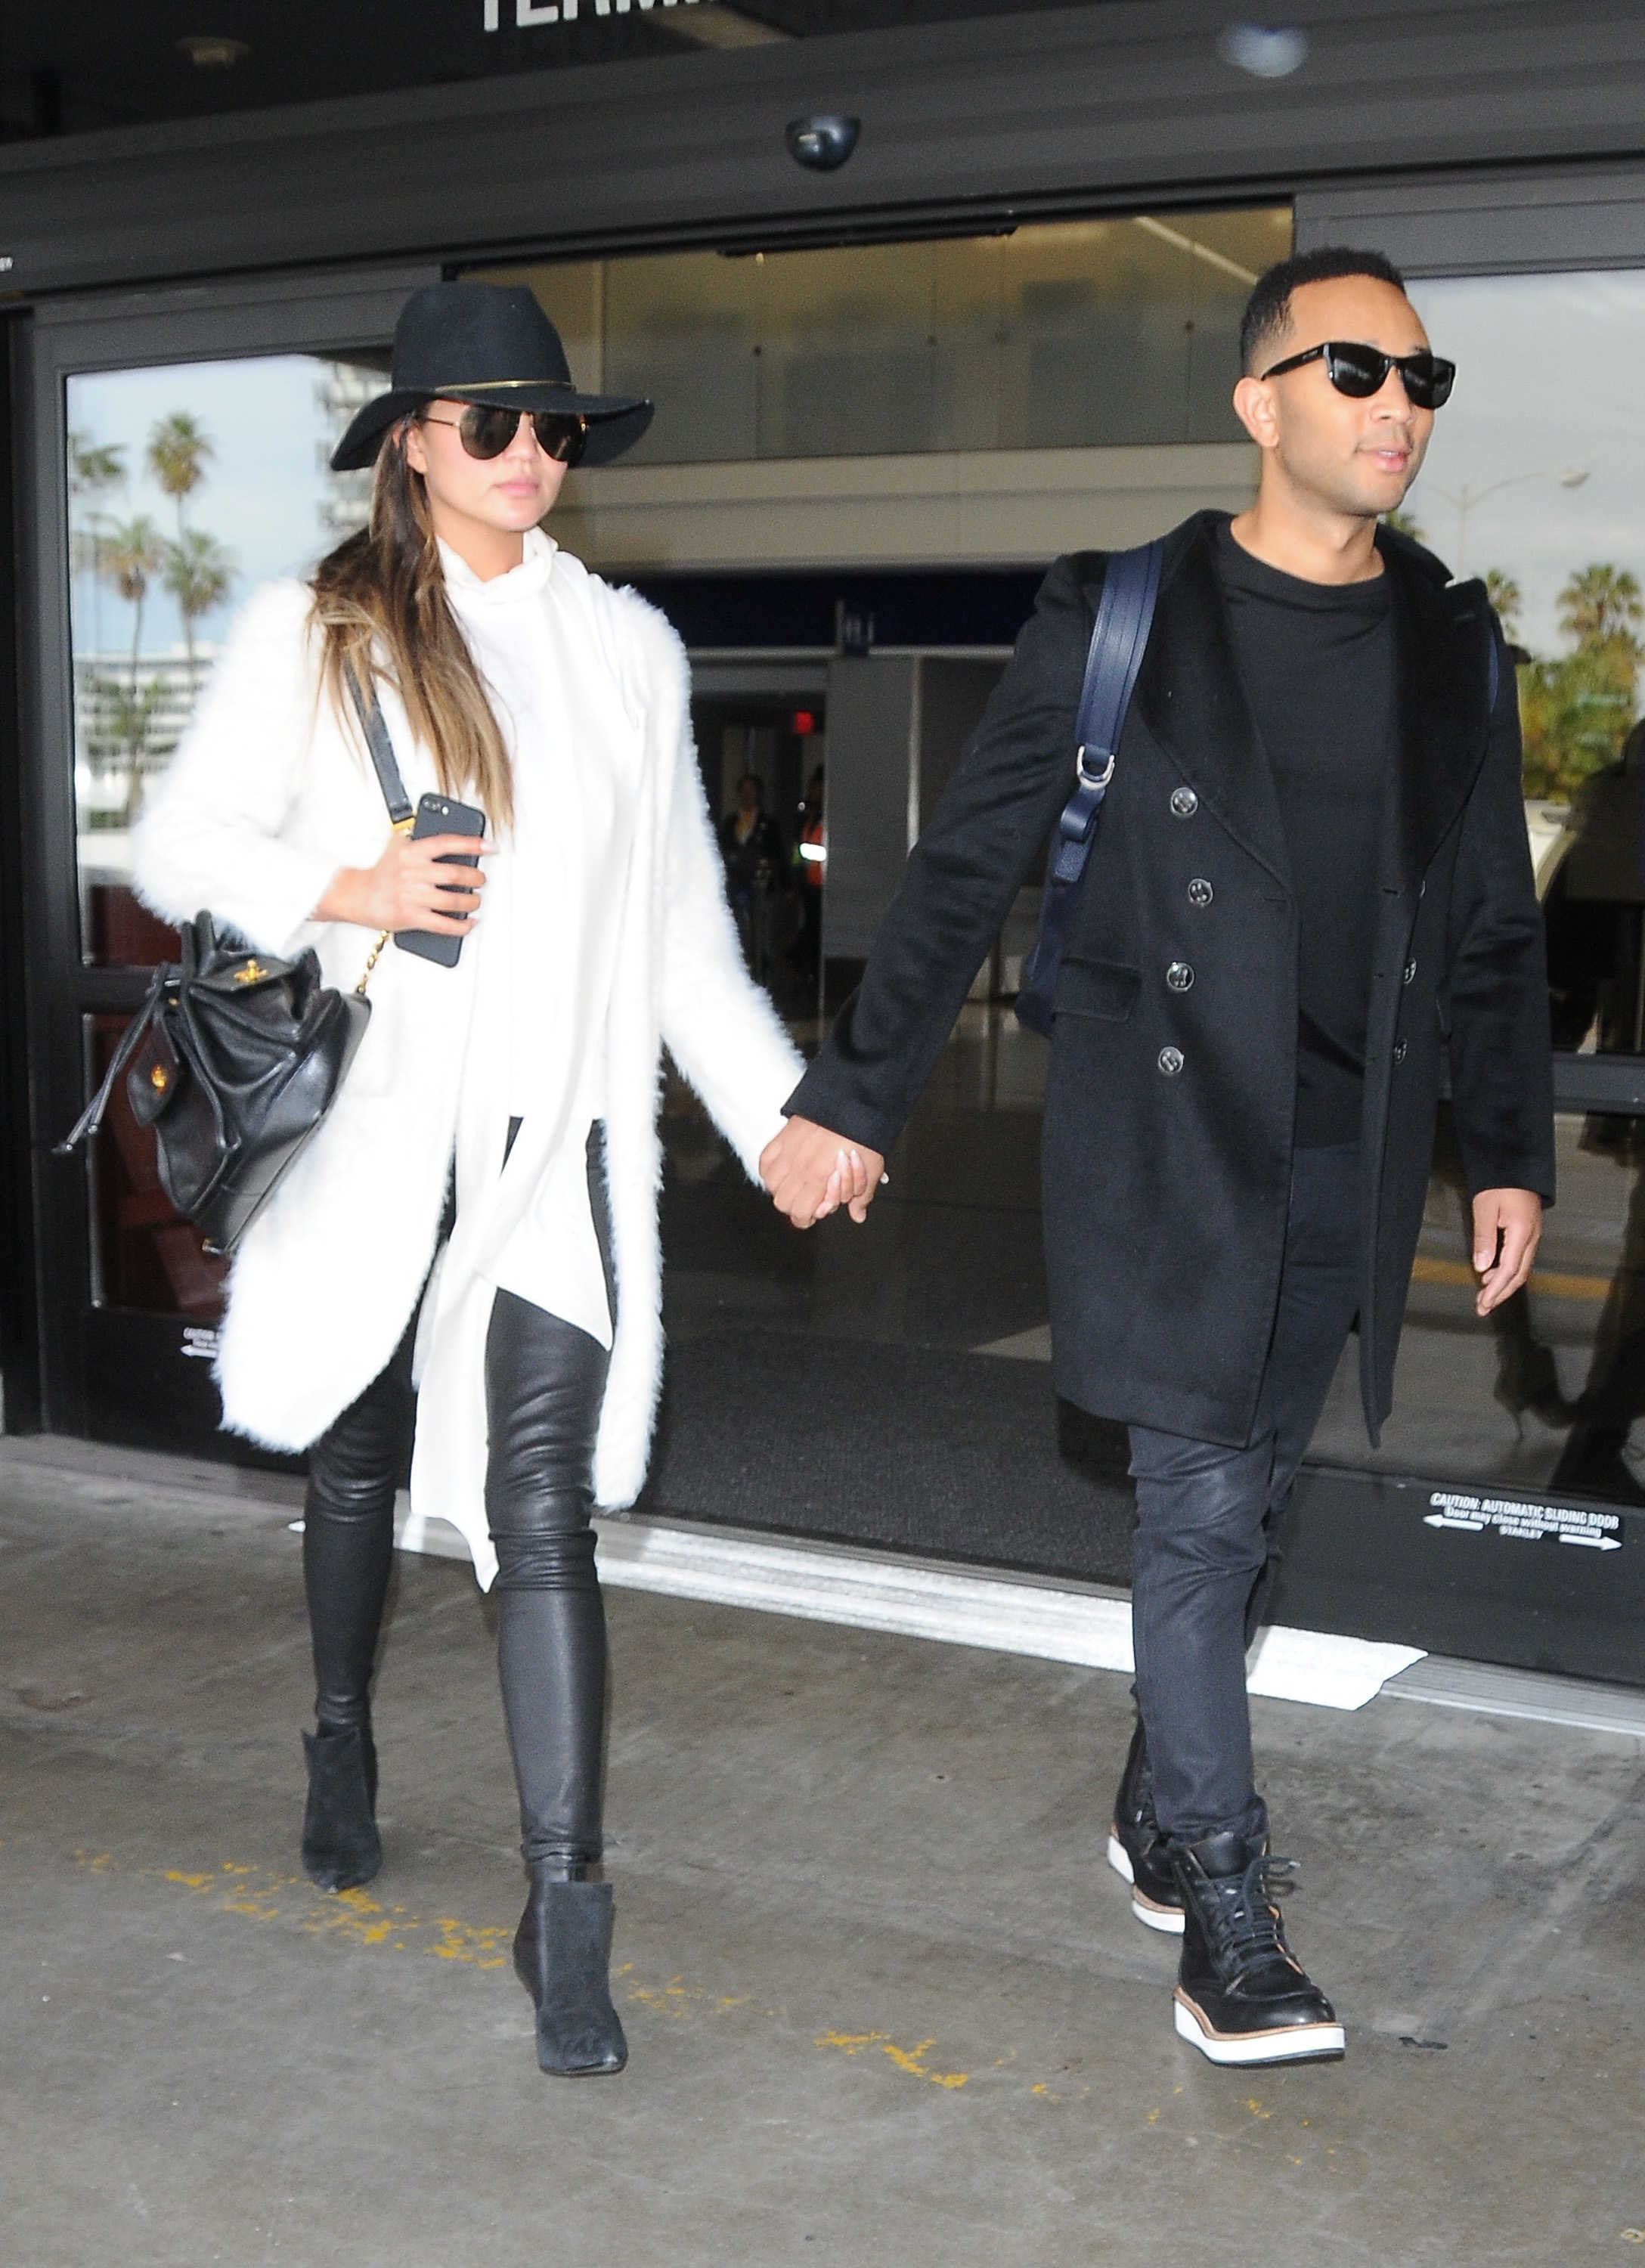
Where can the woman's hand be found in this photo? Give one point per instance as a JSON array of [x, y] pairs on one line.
[[408, 890], [811, 1172]]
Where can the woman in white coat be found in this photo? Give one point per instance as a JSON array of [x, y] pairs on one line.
[[594, 932]]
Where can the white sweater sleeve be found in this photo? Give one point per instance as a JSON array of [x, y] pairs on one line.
[[717, 1023], [210, 833]]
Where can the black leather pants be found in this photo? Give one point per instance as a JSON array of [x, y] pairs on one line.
[[348, 1537], [544, 1385]]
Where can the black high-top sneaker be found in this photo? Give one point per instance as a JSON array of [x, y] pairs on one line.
[[1241, 1995], [1137, 1850]]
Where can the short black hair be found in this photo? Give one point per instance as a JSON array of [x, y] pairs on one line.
[[1268, 310]]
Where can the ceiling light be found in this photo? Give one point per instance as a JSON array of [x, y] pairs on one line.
[[212, 50], [1264, 50]]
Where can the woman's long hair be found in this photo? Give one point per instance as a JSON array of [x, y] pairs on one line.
[[380, 605]]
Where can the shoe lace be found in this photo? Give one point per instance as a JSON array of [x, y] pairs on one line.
[[1244, 1920]]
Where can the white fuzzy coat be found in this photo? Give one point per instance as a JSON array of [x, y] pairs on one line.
[[267, 796]]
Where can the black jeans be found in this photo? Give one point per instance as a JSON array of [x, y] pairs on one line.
[[544, 1385], [1206, 1519]]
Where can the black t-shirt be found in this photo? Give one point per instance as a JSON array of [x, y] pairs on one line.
[[1317, 661]]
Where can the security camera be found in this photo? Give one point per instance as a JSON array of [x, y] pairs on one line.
[[821, 145]]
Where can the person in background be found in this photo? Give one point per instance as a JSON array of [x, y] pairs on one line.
[[811, 868], [751, 844]]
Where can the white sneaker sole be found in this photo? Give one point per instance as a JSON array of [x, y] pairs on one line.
[[1166, 1920], [1290, 2044]]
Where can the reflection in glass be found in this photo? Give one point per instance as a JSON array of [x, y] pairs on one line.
[[187, 485], [1071, 334], [1538, 484], [1548, 1395], [144, 1254]]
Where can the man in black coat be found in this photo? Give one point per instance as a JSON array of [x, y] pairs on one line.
[[1310, 888]]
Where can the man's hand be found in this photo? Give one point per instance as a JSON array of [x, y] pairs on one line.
[[1506, 1230], [811, 1173]]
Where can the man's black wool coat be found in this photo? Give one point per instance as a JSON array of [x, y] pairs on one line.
[[1166, 1183]]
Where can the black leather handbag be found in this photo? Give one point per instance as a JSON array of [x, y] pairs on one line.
[[235, 1058]]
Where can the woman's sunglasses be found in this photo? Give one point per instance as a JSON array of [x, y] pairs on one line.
[[486, 432], [1361, 370]]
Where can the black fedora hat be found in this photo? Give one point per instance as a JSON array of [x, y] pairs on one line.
[[491, 343]]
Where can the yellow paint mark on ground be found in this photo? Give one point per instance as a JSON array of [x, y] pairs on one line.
[[462, 1941], [678, 1999], [353, 1916], [357, 1918], [1255, 2109], [669, 2000], [906, 2059]]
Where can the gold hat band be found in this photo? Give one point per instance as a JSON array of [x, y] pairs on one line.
[[472, 385]]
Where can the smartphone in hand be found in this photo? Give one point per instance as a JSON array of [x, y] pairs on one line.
[[438, 814]]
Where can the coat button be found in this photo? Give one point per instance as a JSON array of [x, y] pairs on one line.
[[1184, 803], [1399, 1050], [1179, 976], [1200, 892], [1407, 972], [1170, 1061]]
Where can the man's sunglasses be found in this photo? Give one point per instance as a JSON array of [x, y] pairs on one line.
[[486, 432], [1361, 370]]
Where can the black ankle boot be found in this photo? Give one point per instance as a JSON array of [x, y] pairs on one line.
[[1137, 1850], [563, 1957], [341, 1848], [1241, 1995]]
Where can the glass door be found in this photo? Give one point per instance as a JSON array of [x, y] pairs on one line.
[[180, 463], [1535, 480]]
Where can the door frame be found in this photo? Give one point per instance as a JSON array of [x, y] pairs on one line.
[[104, 1371], [1365, 1557]]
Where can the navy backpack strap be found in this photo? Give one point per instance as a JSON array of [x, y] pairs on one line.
[[1124, 614]]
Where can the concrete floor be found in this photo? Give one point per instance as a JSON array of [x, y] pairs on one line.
[[884, 2002]]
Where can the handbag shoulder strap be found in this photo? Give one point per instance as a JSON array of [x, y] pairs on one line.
[[91, 1118], [1120, 638], [368, 709]]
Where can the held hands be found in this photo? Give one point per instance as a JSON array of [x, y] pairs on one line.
[[407, 889], [1506, 1230], [811, 1173]]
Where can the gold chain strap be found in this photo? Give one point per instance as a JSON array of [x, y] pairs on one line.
[[401, 827], [365, 974]]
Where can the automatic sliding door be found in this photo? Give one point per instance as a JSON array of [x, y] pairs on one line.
[[1530, 1431], [171, 483]]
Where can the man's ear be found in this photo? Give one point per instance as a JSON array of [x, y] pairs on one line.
[[1254, 406]]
